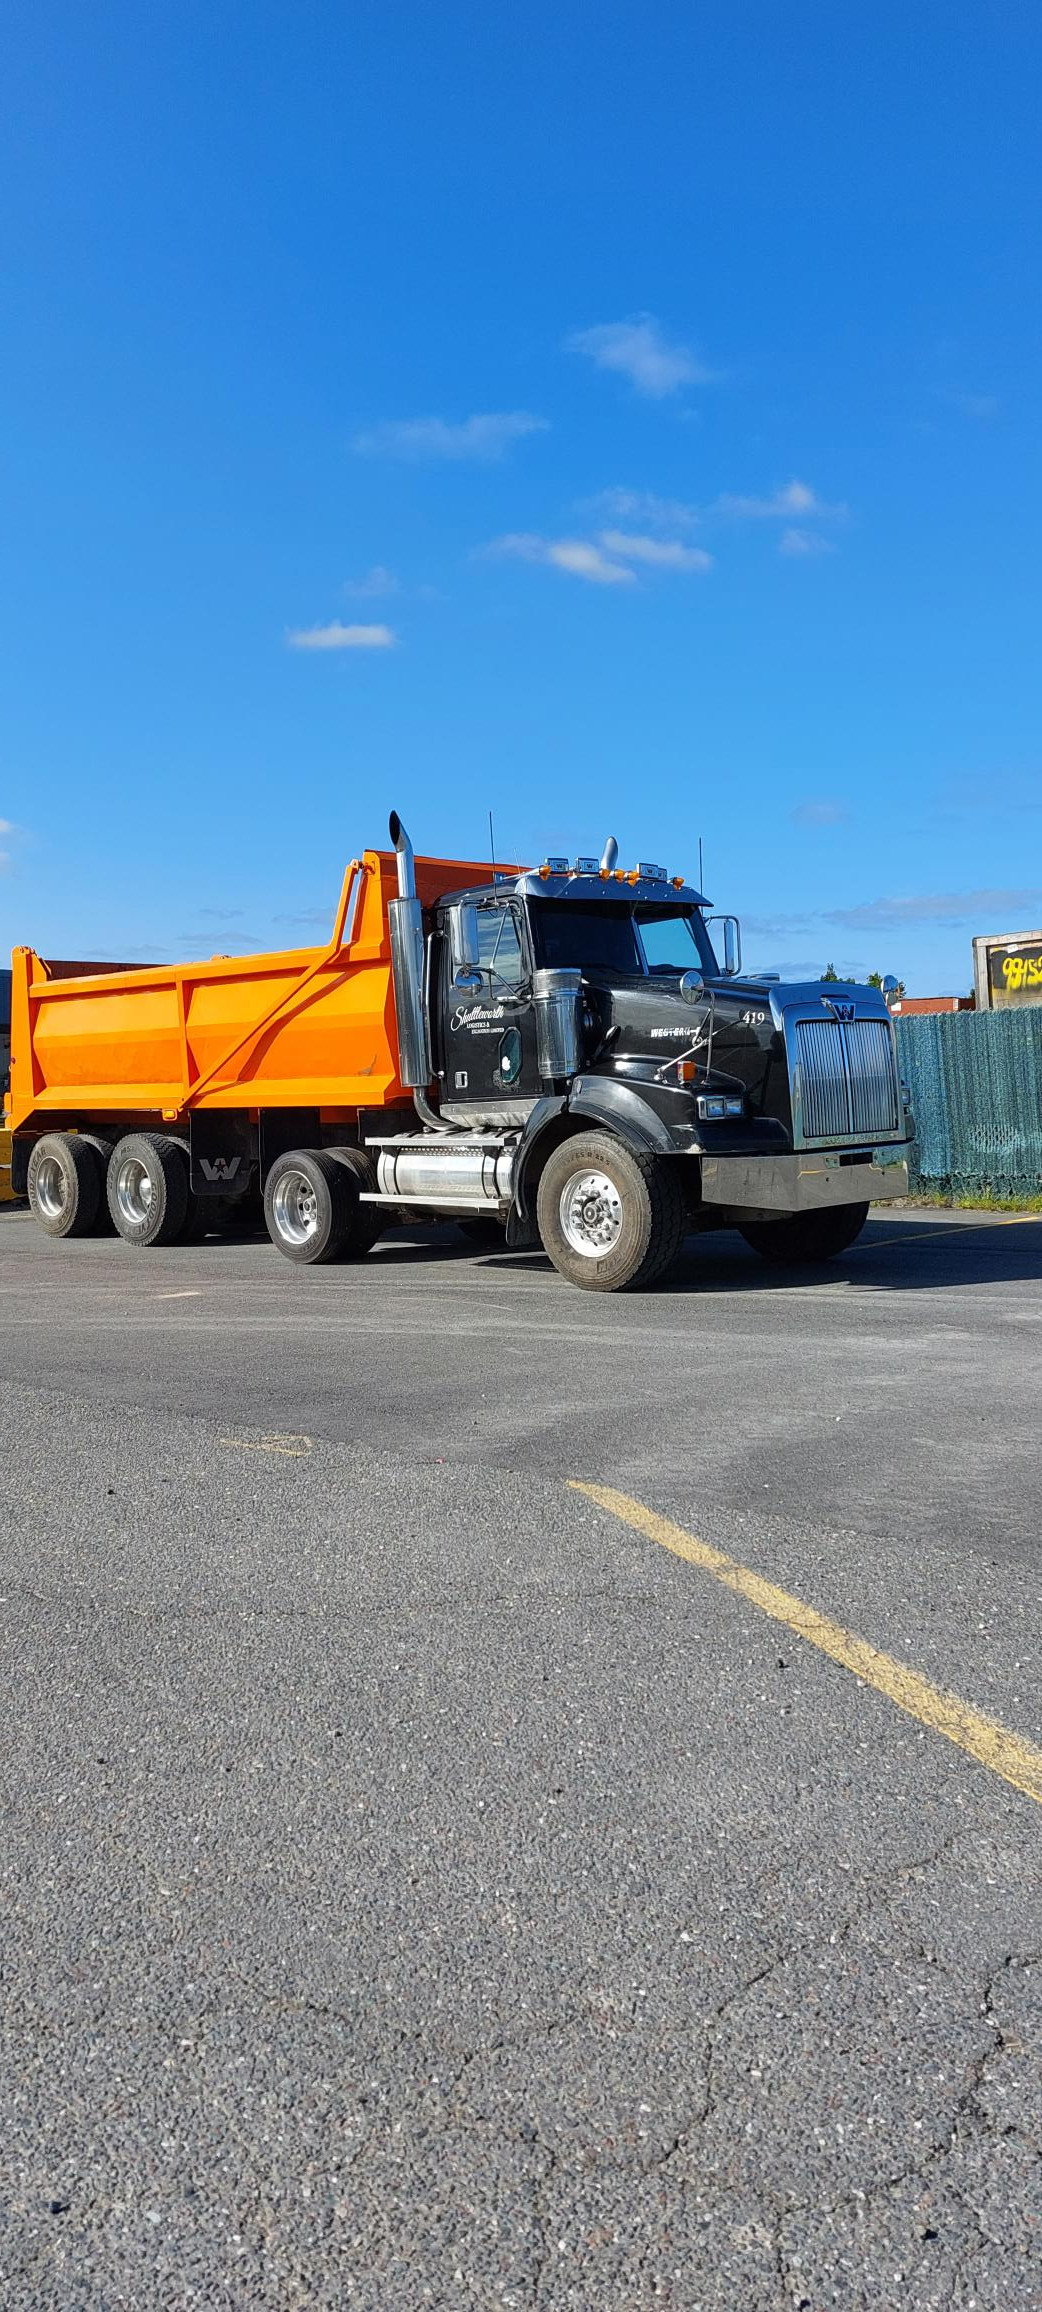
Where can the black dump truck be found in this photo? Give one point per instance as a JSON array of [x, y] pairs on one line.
[[560, 1054], [606, 1083]]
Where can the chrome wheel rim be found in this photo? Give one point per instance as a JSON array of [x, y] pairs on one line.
[[133, 1192], [591, 1214], [295, 1208], [50, 1186]]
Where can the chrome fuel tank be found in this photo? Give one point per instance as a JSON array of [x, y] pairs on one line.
[[445, 1172]]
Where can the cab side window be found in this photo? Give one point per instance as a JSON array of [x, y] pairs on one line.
[[499, 945]]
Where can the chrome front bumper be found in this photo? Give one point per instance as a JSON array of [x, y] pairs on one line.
[[807, 1182]]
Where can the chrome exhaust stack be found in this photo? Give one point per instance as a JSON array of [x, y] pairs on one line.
[[405, 918]]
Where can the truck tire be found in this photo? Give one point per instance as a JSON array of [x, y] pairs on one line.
[[310, 1205], [610, 1220], [102, 1222], [64, 1184], [369, 1220], [807, 1236], [147, 1189]]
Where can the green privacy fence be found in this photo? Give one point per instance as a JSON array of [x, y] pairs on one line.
[[976, 1082]]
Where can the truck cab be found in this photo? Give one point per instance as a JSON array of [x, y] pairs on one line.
[[555, 968]]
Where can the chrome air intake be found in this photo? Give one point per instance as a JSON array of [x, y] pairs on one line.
[[558, 1023]]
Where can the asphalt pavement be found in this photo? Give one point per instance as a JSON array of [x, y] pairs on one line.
[[419, 1887]]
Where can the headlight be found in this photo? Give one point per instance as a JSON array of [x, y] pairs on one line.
[[714, 1106]]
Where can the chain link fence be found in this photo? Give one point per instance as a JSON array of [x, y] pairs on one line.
[[976, 1083]]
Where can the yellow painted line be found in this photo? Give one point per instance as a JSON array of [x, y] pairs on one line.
[[991, 1744], [951, 1228], [296, 1447]]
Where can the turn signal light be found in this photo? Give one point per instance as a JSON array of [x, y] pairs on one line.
[[686, 1071], [678, 882]]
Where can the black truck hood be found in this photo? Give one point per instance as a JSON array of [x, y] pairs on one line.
[[729, 1030]]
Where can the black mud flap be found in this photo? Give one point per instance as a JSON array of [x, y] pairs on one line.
[[223, 1149]]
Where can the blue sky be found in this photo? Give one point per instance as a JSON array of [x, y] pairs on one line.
[[625, 417]]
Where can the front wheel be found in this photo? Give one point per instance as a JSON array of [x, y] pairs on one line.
[[807, 1236], [610, 1220]]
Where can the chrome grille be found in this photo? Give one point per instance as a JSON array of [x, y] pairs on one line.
[[844, 1080], [873, 1083]]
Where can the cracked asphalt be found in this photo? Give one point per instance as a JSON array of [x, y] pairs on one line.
[[419, 1889]]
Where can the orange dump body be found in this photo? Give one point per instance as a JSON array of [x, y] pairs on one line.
[[308, 1027]]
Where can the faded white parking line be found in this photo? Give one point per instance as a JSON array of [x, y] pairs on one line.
[[295, 1447]]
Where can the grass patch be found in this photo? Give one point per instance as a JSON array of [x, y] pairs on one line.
[[983, 1203]]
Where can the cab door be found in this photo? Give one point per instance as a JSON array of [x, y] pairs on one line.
[[489, 1039]]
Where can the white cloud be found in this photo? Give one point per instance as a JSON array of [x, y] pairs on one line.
[[982, 406], [643, 506], [338, 637], [6, 827], [638, 350], [484, 437], [802, 545], [377, 581], [580, 557], [660, 553], [606, 560], [986, 909], [820, 811], [792, 498]]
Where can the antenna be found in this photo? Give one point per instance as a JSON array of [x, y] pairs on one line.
[[701, 878], [492, 848]]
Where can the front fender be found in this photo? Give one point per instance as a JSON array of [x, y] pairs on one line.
[[595, 1100], [618, 1106]]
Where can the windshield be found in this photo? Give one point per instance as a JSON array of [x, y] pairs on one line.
[[674, 940], [624, 940]]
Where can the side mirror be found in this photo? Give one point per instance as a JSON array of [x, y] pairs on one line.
[[463, 941], [732, 932], [692, 986], [888, 988]]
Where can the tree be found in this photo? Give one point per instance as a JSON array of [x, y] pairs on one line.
[[830, 972]]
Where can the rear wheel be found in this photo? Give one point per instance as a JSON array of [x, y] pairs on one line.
[[368, 1220], [147, 1189], [807, 1236], [310, 1205], [102, 1223], [64, 1184], [609, 1219]]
